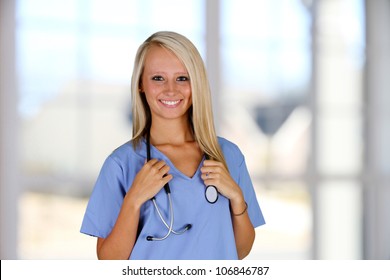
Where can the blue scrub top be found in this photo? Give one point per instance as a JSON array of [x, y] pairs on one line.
[[211, 235]]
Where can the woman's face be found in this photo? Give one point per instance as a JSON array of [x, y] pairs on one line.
[[166, 84]]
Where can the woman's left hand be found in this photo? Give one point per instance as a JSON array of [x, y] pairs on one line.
[[214, 173]]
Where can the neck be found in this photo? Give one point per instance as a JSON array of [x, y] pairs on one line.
[[175, 132]]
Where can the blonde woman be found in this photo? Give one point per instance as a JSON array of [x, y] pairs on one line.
[[176, 190]]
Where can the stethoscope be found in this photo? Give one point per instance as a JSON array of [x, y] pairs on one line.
[[211, 195]]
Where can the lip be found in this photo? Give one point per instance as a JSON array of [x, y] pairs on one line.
[[170, 103]]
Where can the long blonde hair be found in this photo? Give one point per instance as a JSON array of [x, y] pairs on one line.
[[200, 114]]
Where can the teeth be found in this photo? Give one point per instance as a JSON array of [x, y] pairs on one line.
[[170, 103]]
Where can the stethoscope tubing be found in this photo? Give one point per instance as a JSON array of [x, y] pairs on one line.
[[211, 195], [171, 212], [170, 227]]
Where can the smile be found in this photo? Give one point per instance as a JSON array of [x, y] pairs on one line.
[[170, 102]]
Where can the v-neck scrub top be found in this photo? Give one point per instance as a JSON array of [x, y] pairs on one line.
[[211, 235]]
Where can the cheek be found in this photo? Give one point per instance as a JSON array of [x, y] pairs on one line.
[[149, 95], [150, 91], [189, 96], [147, 85], [188, 92], [151, 100]]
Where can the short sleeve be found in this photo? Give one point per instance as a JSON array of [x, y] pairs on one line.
[[105, 201], [239, 171], [245, 182]]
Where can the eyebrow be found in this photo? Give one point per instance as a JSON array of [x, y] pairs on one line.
[[161, 73]]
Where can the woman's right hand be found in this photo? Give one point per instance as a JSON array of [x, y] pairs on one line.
[[149, 181]]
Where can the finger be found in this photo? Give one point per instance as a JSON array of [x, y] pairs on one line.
[[212, 176], [166, 179], [212, 169], [207, 169], [151, 162], [155, 166], [164, 170], [207, 176], [212, 182], [209, 162], [159, 164]]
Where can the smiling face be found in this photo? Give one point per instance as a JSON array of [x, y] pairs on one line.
[[166, 84]]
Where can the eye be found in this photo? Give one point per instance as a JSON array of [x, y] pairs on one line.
[[183, 79], [157, 78]]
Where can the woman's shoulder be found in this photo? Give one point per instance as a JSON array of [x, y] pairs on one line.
[[229, 149], [125, 152], [227, 144]]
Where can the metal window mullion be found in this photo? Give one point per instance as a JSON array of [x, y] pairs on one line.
[[9, 127], [213, 54]]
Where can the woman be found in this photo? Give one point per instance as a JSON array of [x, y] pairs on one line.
[[174, 142]]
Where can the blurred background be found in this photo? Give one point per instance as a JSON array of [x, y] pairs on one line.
[[301, 86]]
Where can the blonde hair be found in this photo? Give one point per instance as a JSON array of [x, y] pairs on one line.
[[200, 113]]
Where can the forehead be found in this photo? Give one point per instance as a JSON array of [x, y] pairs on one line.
[[159, 57]]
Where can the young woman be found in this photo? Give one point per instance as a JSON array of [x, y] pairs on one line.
[[176, 190]]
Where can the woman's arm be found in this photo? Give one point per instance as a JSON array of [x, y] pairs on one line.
[[120, 242], [214, 173], [244, 233]]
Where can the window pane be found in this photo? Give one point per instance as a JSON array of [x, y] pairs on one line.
[[266, 70]]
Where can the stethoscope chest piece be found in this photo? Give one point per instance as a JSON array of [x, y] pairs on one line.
[[211, 194]]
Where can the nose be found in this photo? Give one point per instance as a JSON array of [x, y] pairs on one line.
[[170, 88]]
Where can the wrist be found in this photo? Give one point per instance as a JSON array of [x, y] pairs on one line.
[[132, 201], [238, 205], [242, 212]]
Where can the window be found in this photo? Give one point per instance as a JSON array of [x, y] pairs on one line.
[[74, 65]]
